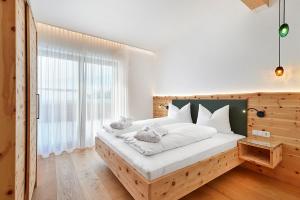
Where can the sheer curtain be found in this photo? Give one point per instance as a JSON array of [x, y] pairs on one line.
[[82, 82]]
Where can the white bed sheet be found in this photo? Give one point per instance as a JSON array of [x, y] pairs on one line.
[[152, 167]]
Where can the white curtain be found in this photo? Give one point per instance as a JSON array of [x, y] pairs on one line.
[[82, 82]]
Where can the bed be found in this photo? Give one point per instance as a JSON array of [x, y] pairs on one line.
[[173, 174]]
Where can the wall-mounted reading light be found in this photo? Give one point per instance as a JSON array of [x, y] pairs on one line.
[[259, 113], [164, 106]]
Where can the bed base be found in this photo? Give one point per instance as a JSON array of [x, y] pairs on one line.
[[170, 186]]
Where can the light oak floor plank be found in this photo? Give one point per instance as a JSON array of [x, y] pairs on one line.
[[47, 181], [83, 175], [68, 185]]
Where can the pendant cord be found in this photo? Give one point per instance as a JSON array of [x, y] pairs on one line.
[[279, 34], [283, 11]]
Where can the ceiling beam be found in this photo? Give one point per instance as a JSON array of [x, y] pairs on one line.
[[253, 4]]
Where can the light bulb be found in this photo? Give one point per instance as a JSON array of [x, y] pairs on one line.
[[279, 71], [284, 30]]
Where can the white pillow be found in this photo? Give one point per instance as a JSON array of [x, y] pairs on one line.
[[182, 115], [219, 119]]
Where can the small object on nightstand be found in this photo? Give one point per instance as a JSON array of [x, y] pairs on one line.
[[266, 153]]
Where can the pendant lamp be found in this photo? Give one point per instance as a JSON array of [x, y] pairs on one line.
[[283, 28], [279, 71]]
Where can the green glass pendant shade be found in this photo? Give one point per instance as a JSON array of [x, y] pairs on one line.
[[284, 30]]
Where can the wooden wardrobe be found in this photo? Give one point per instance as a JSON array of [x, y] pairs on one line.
[[18, 100]]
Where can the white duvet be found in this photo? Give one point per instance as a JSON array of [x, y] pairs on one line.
[[138, 125], [179, 134]]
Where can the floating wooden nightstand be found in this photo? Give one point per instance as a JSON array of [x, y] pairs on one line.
[[267, 153]]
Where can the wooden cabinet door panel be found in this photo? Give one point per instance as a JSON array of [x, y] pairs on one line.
[[31, 155]]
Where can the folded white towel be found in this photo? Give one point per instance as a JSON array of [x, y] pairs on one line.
[[147, 136], [152, 133], [138, 125], [123, 123], [157, 129]]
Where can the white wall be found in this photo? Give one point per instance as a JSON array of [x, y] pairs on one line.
[[140, 84], [231, 49], [226, 49]]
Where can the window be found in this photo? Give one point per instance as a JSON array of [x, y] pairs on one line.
[[76, 98], [82, 82]]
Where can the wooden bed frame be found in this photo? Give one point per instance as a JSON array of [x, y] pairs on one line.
[[170, 186]]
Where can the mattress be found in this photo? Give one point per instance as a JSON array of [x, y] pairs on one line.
[[152, 167]]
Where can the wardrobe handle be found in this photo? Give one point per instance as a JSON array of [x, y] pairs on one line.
[[38, 106]]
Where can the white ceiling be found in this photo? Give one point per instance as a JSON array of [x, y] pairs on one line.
[[148, 24]]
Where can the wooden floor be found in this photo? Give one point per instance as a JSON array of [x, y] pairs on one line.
[[84, 176]]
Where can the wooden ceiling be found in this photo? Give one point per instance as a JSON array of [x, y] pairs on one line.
[[253, 4]]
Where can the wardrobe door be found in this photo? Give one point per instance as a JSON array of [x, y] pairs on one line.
[[12, 100], [32, 107]]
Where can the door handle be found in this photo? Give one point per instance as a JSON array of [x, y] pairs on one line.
[[38, 106]]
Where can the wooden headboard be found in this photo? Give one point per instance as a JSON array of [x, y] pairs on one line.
[[282, 120]]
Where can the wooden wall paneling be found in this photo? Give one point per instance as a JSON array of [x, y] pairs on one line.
[[7, 99], [20, 144], [253, 4], [31, 156], [282, 120]]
